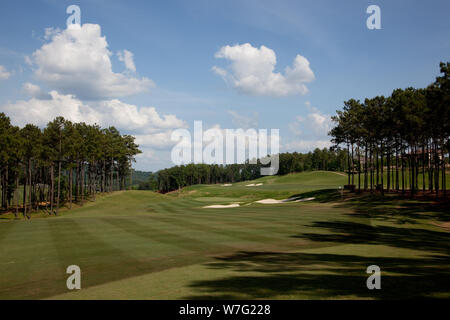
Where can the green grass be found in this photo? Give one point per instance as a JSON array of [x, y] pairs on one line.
[[144, 245]]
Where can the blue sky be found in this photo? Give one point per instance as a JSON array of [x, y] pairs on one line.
[[174, 46]]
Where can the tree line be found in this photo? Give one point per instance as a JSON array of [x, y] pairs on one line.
[[395, 141], [63, 163], [177, 177]]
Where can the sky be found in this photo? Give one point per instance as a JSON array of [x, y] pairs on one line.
[[150, 67]]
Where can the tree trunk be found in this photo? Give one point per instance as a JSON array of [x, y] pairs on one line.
[[359, 169], [59, 187], [397, 182], [382, 173], [83, 177], [70, 187], [353, 170], [365, 167], [388, 169], [348, 163], [16, 195], [30, 183], [444, 182], [52, 188], [111, 176], [25, 192]]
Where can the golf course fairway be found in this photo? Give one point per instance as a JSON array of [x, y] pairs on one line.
[[146, 245]]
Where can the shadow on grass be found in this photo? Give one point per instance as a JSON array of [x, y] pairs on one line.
[[347, 232], [390, 207], [396, 208], [323, 276], [322, 196]]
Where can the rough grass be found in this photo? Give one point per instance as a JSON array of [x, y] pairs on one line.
[[139, 244]]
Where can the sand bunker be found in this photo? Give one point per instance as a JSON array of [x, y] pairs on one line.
[[270, 201], [227, 185], [254, 185], [273, 201], [305, 199], [222, 206]]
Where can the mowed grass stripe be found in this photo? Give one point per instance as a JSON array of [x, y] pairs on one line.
[[27, 261], [220, 227], [100, 261], [245, 223], [161, 234], [5, 228], [258, 215]]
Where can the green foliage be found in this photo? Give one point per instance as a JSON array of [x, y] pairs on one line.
[[407, 132], [42, 160]]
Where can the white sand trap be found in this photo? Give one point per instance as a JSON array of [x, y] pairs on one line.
[[270, 201], [258, 184], [306, 199], [227, 185], [254, 185], [273, 201], [222, 206]]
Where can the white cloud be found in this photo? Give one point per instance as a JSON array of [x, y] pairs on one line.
[[127, 58], [40, 112], [314, 123], [310, 131], [159, 139], [151, 129], [143, 119], [105, 113], [252, 71], [28, 60], [307, 145], [219, 71], [4, 74], [35, 91], [77, 61], [242, 121]]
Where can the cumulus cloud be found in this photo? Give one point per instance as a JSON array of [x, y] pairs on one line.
[[127, 58], [105, 113], [315, 123], [4, 74], [77, 61], [40, 112], [35, 91], [252, 71], [310, 131]]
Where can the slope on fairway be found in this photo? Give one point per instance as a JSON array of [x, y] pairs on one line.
[[145, 245], [277, 187]]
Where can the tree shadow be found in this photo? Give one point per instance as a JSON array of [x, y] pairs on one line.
[[390, 207], [269, 275], [396, 208], [347, 232], [324, 276], [322, 196]]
